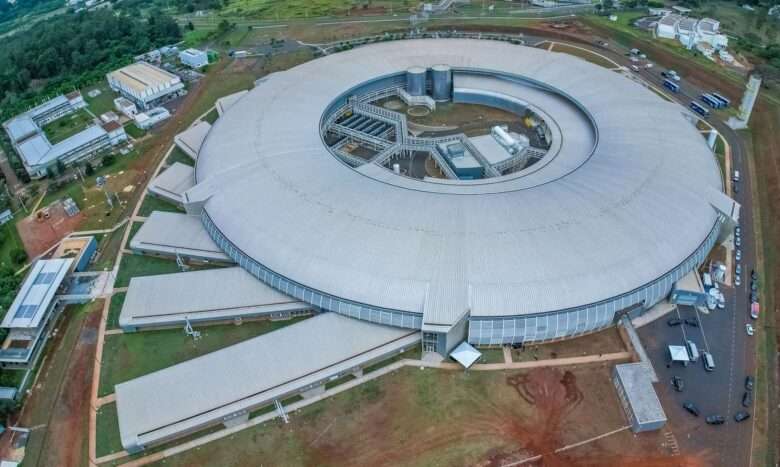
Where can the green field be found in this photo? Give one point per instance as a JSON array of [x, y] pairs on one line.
[[107, 440], [114, 309], [177, 155], [212, 116], [67, 126], [130, 355], [153, 203], [11, 240], [139, 265], [737, 21], [100, 104], [133, 131]]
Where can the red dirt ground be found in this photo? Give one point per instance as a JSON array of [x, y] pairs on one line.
[[39, 236]]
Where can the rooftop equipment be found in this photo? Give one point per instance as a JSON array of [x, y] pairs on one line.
[[512, 144], [441, 77], [415, 81]]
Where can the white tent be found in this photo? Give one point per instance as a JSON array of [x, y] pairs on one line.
[[679, 354], [465, 354]]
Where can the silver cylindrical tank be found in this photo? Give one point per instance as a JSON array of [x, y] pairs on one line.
[[415, 81], [441, 76]]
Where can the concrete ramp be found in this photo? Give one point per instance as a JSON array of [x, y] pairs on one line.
[[171, 234], [213, 295], [223, 387]]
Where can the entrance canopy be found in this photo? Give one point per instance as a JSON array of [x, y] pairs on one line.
[[679, 353], [465, 354]]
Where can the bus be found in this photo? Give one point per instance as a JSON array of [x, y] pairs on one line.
[[699, 109], [671, 85], [711, 101], [722, 99]]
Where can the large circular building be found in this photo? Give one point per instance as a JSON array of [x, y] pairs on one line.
[[604, 198]]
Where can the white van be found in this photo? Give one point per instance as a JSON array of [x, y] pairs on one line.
[[736, 176], [709, 362], [693, 351]]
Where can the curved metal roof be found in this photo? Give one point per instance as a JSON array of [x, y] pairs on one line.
[[580, 229]]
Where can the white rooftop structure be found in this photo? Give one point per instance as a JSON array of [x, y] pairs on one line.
[[173, 182], [144, 83], [678, 353], [171, 234], [36, 294], [636, 390], [465, 354], [194, 58], [609, 219], [224, 103], [230, 382], [191, 139], [202, 296]]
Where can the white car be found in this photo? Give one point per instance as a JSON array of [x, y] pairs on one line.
[[749, 329], [737, 280], [635, 68], [738, 255], [649, 65]]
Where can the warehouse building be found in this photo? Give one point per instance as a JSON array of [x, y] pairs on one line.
[[208, 296], [634, 386], [178, 236], [194, 58], [227, 385], [28, 319], [145, 84]]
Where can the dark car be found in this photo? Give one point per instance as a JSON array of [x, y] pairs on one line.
[[678, 383], [753, 274], [753, 296], [747, 399], [691, 322], [715, 420], [741, 416], [749, 383], [674, 322], [691, 408]]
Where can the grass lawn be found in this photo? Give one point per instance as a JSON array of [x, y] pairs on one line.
[[107, 431], [491, 355], [117, 300], [153, 203], [133, 131], [67, 126], [177, 155], [140, 265], [433, 417], [11, 240], [212, 116], [128, 356], [102, 103]]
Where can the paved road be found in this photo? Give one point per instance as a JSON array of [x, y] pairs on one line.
[[722, 331]]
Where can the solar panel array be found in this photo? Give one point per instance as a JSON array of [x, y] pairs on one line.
[[26, 311]]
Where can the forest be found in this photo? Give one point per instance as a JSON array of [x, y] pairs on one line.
[[72, 50]]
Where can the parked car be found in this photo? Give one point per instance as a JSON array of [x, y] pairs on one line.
[[738, 231], [749, 382], [735, 187], [741, 416], [715, 420], [747, 399], [738, 254], [678, 383], [753, 296], [753, 275], [674, 322], [692, 322], [749, 329], [737, 280], [737, 242], [635, 68], [738, 269], [691, 408], [754, 285]]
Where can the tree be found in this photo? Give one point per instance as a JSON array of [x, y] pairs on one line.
[[190, 26], [18, 256], [108, 160], [88, 169], [60, 166]]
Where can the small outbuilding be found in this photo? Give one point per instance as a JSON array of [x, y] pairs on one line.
[[637, 395]]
